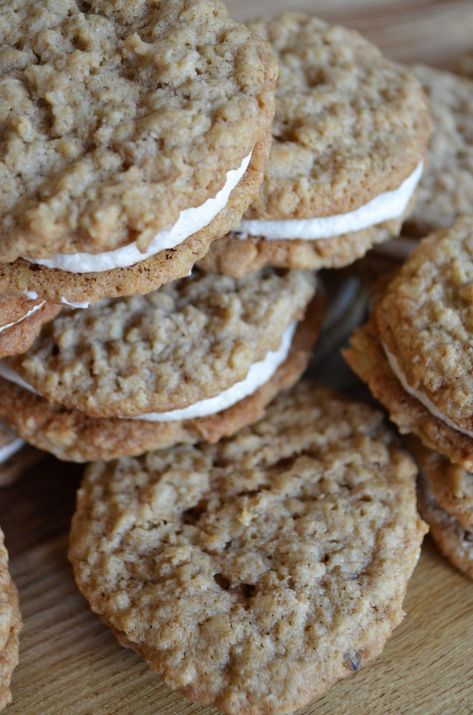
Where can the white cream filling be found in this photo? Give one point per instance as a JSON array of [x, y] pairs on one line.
[[258, 374], [33, 310], [423, 399], [189, 222], [385, 207], [10, 449], [32, 295]]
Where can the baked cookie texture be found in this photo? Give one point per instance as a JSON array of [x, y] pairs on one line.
[[425, 320], [450, 486], [446, 188], [121, 115], [10, 626], [255, 573], [166, 266], [24, 325], [349, 126], [73, 436], [188, 341], [367, 359], [452, 538]]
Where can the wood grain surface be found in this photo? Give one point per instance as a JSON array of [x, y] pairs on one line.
[[71, 664]]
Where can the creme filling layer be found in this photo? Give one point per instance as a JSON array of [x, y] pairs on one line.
[[385, 207], [258, 374], [189, 222], [420, 396], [8, 450]]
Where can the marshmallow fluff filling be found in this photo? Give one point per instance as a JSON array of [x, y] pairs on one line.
[[423, 399], [385, 207], [189, 222], [258, 374]]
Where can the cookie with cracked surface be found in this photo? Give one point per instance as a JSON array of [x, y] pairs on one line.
[[255, 573], [190, 341], [72, 435], [21, 321], [349, 137], [446, 188], [139, 174], [452, 538], [10, 626]]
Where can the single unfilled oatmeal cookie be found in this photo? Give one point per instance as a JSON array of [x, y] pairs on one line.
[[10, 625], [255, 573], [349, 137]]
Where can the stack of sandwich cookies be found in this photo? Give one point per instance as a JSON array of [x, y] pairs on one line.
[[134, 135], [10, 626], [255, 573], [416, 351], [196, 360], [349, 140], [446, 189], [446, 503]]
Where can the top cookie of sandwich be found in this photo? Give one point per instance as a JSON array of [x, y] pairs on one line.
[[425, 321], [349, 125], [446, 189], [117, 116]]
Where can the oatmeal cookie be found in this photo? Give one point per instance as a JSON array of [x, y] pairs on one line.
[[10, 626], [255, 573], [349, 137]]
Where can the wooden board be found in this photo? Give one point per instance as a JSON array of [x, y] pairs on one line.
[[72, 665]]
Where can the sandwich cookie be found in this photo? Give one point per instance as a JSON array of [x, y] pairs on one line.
[[134, 135], [10, 626], [446, 503], [196, 360], [255, 573], [446, 188], [15, 456], [416, 352], [21, 321], [349, 139]]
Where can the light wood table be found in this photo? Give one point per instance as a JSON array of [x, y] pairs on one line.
[[72, 665]]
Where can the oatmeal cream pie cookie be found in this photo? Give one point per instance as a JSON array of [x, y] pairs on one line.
[[446, 503], [196, 360], [255, 573], [349, 139], [133, 135], [10, 626], [446, 188], [416, 352]]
